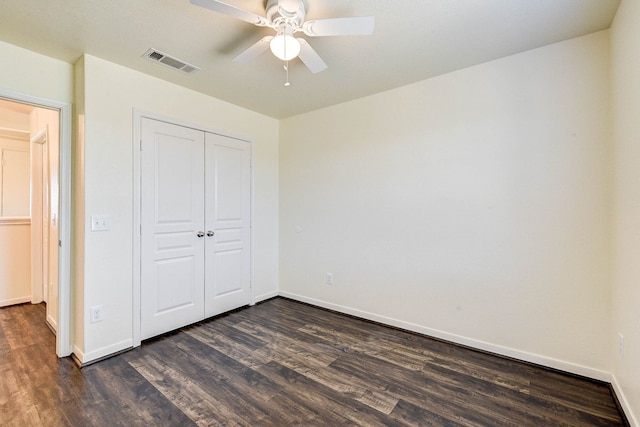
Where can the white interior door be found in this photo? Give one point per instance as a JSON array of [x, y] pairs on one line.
[[228, 214], [172, 217]]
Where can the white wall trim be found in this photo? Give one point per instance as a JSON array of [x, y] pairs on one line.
[[633, 420], [196, 126], [14, 134], [40, 137], [15, 221], [14, 301], [264, 297], [38, 280], [63, 337], [78, 354], [137, 223], [252, 193], [138, 115], [83, 359], [470, 342], [99, 353], [53, 325]]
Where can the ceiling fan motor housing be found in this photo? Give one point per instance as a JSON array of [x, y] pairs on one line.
[[291, 12]]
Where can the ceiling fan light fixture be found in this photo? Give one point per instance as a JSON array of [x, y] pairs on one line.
[[284, 45]]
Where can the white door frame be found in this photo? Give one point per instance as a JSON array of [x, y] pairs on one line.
[[63, 335], [137, 204], [39, 250]]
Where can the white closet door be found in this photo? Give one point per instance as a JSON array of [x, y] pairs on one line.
[[228, 214], [172, 215]]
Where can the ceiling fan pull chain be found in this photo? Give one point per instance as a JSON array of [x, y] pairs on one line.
[[286, 69]]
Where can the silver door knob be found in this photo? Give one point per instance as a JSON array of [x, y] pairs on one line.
[[200, 234], [210, 233]]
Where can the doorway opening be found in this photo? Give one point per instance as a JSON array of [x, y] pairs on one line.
[[34, 208]]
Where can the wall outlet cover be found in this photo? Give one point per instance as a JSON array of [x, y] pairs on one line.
[[96, 314], [100, 222], [329, 278]]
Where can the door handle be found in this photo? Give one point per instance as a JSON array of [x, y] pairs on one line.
[[200, 234], [210, 233]]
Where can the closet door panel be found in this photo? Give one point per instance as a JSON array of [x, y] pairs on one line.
[[228, 213], [172, 217]]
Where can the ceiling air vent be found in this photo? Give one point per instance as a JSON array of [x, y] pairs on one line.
[[175, 63]]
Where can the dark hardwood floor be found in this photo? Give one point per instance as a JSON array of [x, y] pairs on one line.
[[284, 363]]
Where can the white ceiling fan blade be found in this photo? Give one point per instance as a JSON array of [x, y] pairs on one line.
[[355, 26], [254, 51], [235, 12], [310, 57]]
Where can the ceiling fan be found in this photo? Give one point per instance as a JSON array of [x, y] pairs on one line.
[[286, 17]]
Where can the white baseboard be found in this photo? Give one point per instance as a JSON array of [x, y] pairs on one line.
[[264, 297], [53, 325], [561, 365], [633, 421], [77, 354], [14, 301], [95, 355]]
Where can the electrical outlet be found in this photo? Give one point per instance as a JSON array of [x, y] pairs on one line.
[[100, 222], [97, 314], [621, 345], [329, 278]]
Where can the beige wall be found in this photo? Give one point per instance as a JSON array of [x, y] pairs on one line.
[[15, 233], [33, 74], [14, 175], [111, 93], [625, 52], [15, 261], [12, 119], [474, 206]]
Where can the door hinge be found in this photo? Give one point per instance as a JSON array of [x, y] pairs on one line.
[[60, 243]]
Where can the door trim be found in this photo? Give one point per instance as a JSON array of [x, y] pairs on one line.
[[138, 115], [63, 336], [39, 251]]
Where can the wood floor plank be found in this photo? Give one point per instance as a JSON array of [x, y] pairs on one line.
[[201, 407], [464, 406], [222, 375], [331, 407], [249, 356], [133, 393], [570, 392], [414, 415], [349, 387], [21, 328], [237, 389]]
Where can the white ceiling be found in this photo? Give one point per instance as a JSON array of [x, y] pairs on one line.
[[412, 41]]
